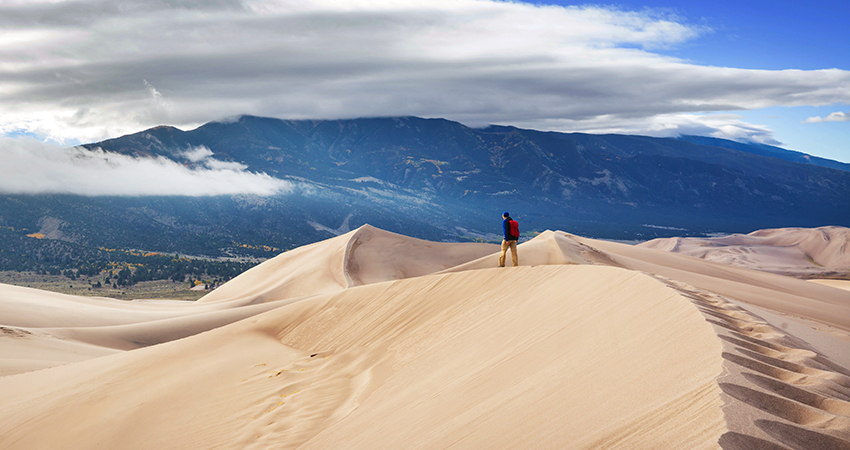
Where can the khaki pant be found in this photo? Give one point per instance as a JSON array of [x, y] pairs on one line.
[[505, 246]]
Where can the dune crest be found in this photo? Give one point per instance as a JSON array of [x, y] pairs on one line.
[[309, 270], [376, 255], [547, 248], [362, 256]]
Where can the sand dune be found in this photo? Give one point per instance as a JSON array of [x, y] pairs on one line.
[[24, 350], [790, 251], [73, 328], [779, 391], [376, 340], [44, 329], [365, 255], [840, 284], [474, 346], [779, 293]]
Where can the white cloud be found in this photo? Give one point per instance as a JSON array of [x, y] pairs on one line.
[[837, 116], [197, 154], [33, 167], [91, 69]]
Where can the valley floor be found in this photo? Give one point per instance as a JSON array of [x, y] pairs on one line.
[[83, 285]]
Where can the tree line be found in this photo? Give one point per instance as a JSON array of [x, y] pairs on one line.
[[117, 267]]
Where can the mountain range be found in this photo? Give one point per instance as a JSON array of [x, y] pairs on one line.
[[440, 180]]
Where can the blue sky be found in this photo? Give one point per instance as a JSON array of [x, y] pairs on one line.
[[76, 71], [759, 34]]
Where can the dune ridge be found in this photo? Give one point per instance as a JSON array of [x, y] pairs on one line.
[[335, 264], [377, 340]]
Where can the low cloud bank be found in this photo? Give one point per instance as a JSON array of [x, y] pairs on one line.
[[34, 167]]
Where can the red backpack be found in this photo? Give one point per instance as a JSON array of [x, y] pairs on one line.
[[514, 228]]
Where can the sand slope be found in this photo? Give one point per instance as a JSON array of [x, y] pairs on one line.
[[376, 340], [44, 329], [589, 367], [780, 293]]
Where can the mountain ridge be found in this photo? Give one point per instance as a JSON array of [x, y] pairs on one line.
[[767, 150], [457, 162], [441, 180]]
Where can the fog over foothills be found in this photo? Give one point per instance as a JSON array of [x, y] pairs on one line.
[[81, 71], [32, 167]]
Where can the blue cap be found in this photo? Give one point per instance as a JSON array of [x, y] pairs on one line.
[[505, 214]]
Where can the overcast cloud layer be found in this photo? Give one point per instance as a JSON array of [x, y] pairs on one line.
[[32, 167], [91, 69]]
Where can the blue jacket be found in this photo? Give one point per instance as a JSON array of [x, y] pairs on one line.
[[506, 227]]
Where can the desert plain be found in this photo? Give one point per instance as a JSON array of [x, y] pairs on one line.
[[374, 340]]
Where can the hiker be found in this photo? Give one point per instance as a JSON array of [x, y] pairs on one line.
[[511, 229]]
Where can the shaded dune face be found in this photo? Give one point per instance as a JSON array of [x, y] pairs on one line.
[[376, 340], [789, 392]]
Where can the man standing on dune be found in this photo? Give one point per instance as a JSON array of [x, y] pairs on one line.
[[511, 229]]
